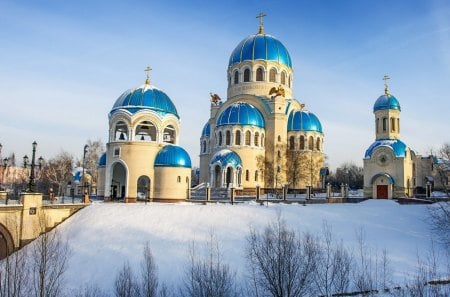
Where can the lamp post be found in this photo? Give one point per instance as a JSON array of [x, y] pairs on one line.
[[31, 183], [4, 165], [83, 185]]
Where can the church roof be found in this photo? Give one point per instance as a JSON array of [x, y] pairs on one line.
[[386, 101], [396, 145], [303, 120], [241, 113], [102, 160], [226, 157], [260, 47], [172, 156], [144, 97], [206, 132]]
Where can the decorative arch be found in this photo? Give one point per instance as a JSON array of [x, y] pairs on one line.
[[143, 187], [121, 131], [169, 134], [272, 75], [237, 137], [236, 77], [146, 131], [259, 74], [119, 180], [247, 75], [6, 242], [388, 177]]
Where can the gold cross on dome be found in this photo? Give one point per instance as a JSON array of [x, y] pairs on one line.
[[261, 25], [148, 69], [386, 89]]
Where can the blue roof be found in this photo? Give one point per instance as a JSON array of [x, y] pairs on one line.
[[260, 47], [102, 160], [241, 113], [386, 102], [206, 132], [226, 157], [390, 178], [172, 156], [396, 145], [302, 120], [145, 97]]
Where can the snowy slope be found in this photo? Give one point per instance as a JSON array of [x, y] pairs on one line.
[[105, 235]]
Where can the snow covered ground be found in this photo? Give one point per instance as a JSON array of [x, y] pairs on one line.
[[105, 235]]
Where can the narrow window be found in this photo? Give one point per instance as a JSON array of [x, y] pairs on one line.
[[272, 75], [292, 143], [204, 146], [279, 138], [302, 142], [262, 140], [279, 154], [318, 144], [236, 77], [117, 152], [228, 137], [247, 75], [237, 139], [220, 138], [398, 125], [259, 74], [384, 124], [392, 124], [179, 179], [283, 78], [247, 175], [311, 143], [256, 175], [247, 138], [256, 140], [377, 125]]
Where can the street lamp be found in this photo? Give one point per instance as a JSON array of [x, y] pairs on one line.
[[31, 184], [84, 185]]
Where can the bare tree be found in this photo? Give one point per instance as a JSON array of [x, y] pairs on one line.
[[149, 277], [49, 260], [208, 276], [90, 290], [439, 219], [125, 284], [95, 150], [57, 171], [280, 263]]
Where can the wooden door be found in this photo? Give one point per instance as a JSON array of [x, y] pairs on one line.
[[382, 192]]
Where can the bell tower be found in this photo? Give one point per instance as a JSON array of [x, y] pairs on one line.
[[387, 115]]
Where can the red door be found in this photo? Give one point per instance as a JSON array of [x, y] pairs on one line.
[[382, 192]]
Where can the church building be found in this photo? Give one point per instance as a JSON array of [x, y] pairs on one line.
[[260, 135], [142, 158]]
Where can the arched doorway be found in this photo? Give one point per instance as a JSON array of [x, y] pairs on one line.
[[6, 242], [217, 176], [143, 187], [118, 181], [229, 176]]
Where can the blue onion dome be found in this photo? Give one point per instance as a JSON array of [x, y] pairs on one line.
[[241, 113], [396, 145], [145, 97], [303, 120], [386, 101], [226, 157], [260, 47], [172, 156], [102, 160], [206, 132]]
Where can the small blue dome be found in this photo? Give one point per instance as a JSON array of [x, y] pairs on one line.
[[102, 160], [260, 47], [226, 157], [145, 97], [172, 156], [241, 113], [302, 120], [206, 132], [386, 102], [396, 145]]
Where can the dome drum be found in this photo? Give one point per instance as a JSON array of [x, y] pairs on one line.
[[241, 113], [301, 120]]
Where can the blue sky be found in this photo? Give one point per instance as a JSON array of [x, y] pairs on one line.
[[64, 63]]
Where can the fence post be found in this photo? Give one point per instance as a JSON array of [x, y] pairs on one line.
[[208, 192], [342, 190], [308, 192], [328, 190], [258, 192], [285, 190], [428, 189], [232, 194]]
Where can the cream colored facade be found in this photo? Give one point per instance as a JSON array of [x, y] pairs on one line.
[[239, 149]]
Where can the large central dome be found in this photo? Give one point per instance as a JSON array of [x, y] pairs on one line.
[[260, 47], [144, 97]]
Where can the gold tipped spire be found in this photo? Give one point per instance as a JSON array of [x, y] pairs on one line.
[[302, 106], [148, 69], [261, 25], [386, 88]]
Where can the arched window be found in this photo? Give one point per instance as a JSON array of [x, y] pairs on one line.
[[377, 125], [228, 137], [169, 134], [178, 179], [302, 142], [204, 146], [220, 138], [292, 143], [259, 74], [236, 77], [247, 75], [311, 143], [392, 124], [398, 125], [247, 175], [256, 140], [272, 75], [247, 138], [146, 131], [283, 78], [279, 154], [256, 175], [384, 124], [263, 144], [318, 144], [121, 131], [237, 138], [279, 138]]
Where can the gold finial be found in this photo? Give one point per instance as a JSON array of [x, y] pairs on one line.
[[302, 106], [148, 69], [261, 26], [386, 89]]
